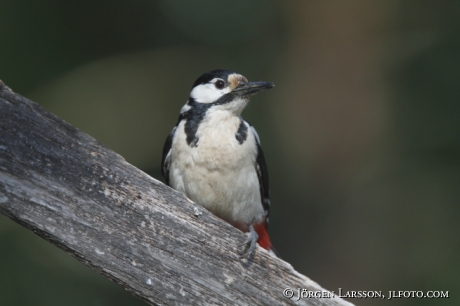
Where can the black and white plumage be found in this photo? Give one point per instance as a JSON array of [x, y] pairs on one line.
[[214, 156]]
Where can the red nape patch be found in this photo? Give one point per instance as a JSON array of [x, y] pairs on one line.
[[264, 240]]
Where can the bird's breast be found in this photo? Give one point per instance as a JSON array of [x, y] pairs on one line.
[[219, 172], [217, 158], [218, 146]]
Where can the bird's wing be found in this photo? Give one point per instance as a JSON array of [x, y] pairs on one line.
[[262, 173], [166, 159]]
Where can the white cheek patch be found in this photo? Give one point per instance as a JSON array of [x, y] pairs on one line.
[[208, 93]]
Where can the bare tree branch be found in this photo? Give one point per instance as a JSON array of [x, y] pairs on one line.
[[74, 192]]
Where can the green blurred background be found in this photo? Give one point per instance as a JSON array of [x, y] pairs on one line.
[[361, 133]]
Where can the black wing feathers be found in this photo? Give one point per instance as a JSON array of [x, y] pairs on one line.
[[262, 173], [166, 158]]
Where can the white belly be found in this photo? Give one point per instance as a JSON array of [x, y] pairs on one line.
[[219, 174]]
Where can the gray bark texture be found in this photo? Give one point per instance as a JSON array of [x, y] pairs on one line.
[[84, 198]]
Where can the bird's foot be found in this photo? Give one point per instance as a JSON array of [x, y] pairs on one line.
[[250, 243]]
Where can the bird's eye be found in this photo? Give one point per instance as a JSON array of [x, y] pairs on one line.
[[219, 84]]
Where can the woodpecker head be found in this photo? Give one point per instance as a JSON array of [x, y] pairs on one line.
[[223, 89]]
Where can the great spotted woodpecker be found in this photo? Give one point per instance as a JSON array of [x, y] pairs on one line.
[[214, 157]]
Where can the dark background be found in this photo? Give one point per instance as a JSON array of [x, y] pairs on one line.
[[361, 133]]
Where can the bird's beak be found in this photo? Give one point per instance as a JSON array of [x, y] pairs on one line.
[[251, 88]]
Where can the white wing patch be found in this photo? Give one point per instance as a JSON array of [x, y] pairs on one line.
[[255, 134], [185, 108]]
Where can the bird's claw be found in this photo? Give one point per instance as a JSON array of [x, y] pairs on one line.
[[250, 243]]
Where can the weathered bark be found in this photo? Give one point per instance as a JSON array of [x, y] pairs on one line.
[[72, 191]]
